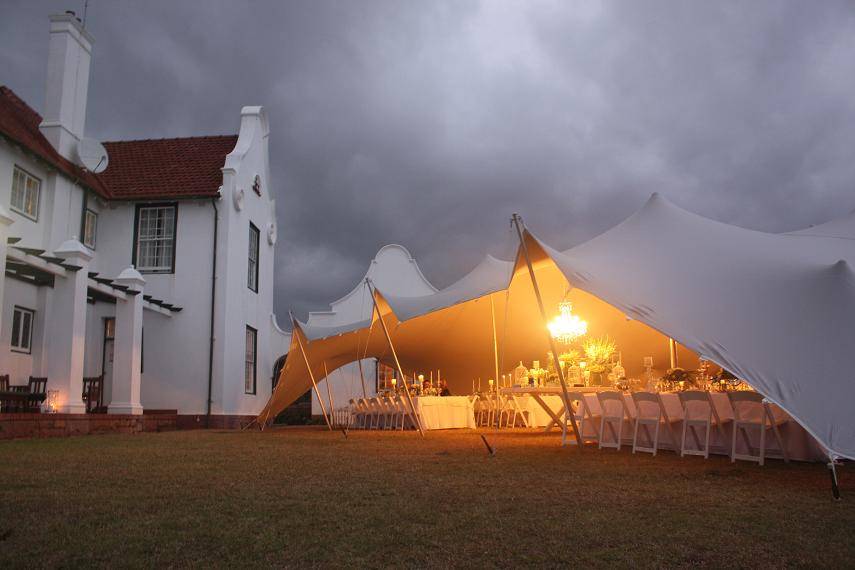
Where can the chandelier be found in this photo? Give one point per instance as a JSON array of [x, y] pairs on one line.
[[567, 327]]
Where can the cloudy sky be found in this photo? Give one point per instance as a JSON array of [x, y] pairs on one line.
[[429, 123]]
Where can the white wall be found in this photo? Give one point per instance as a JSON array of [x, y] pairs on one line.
[[237, 305], [175, 349], [60, 202]]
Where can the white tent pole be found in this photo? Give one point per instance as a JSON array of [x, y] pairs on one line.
[[309, 368], [329, 391], [568, 410], [414, 417], [672, 351], [495, 357]]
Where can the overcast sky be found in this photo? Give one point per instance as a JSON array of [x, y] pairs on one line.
[[429, 123]]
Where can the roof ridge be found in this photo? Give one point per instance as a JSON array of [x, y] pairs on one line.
[[192, 138]]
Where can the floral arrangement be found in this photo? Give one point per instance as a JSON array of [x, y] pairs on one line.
[[598, 353], [677, 378]]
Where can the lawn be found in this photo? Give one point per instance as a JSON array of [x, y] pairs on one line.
[[307, 497]]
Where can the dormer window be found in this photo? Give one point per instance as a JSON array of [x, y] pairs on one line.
[[25, 193], [154, 250]]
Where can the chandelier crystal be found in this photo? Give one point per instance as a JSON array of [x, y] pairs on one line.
[[567, 327]]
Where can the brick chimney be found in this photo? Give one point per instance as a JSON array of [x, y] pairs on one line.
[[70, 52]]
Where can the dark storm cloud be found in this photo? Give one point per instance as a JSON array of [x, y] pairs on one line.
[[429, 123]]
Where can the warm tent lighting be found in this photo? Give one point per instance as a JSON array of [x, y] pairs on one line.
[[567, 327]]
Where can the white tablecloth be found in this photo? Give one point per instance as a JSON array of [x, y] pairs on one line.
[[445, 412]]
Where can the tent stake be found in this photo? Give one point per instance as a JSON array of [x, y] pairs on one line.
[[414, 417], [329, 392], [296, 332], [568, 410]]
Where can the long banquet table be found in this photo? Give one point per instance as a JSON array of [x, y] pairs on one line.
[[541, 407], [445, 412]]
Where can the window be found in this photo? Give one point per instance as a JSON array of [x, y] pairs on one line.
[[249, 360], [22, 330], [25, 193], [155, 243], [90, 226], [252, 266]]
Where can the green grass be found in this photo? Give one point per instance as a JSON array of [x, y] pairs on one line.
[[307, 497]]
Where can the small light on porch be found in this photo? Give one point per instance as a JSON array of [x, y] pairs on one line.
[[52, 401]]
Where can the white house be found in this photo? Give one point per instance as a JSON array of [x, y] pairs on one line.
[[156, 272], [394, 271]]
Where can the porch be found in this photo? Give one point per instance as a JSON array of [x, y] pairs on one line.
[[67, 291]]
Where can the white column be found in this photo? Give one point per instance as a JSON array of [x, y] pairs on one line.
[[127, 347], [66, 326], [5, 222]]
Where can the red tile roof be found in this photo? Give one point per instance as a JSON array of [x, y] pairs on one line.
[[153, 169], [167, 168], [20, 123]]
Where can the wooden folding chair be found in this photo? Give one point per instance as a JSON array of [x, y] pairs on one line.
[[695, 399], [610, 417], [93, 394], [744, 403], [37, 385]]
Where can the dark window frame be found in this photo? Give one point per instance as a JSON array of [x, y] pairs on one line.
[[254, 361], [254, 234], [135, 245], [12, 339]]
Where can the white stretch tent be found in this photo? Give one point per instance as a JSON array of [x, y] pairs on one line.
[[777, 310]]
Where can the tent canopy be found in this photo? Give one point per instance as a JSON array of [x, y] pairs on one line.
[[776, 310]]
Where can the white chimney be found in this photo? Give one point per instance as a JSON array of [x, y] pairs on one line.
[[70, 51]]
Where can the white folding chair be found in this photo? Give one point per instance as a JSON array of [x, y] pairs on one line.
[[752, 411], [509, 410], [400, 411], [582, 413], [376, 412], [648, 413], [614, 410], [698, 403]]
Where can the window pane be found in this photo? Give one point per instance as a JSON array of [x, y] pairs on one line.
[[26, 327], [155, 238], [89, 228], [25, 193], [249, 364], [252, 263], [16, 328], [18, 190]]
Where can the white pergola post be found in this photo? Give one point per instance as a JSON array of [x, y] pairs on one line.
[[66, 324], [5, 222], [127, 352]]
